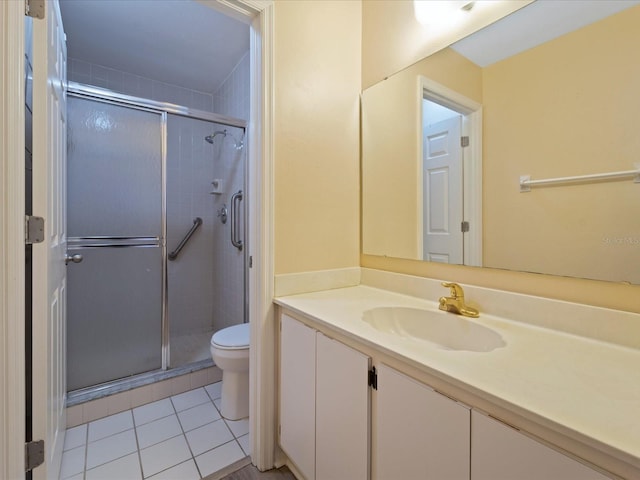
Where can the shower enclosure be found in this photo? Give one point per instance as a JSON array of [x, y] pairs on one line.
[[156, 223]]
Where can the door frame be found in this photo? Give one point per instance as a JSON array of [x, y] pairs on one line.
[[260, 15], [471, 112], [12, 252]]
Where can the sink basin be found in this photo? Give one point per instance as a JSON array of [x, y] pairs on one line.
[[444, 330]]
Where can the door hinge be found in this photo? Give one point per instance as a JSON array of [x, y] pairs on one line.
[[464, 141], [464, 226], [250, 261], [372, 379], [34, 8], [33, 454], [33, 230]]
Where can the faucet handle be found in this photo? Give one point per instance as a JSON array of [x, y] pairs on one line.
[[456, 290]]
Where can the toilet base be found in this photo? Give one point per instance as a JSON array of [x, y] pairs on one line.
[[234, 403]]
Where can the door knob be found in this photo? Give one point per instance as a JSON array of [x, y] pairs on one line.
[[77, 258]]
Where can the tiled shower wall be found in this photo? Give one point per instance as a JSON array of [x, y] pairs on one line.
[[137, 86], [232, 100], [189, 174], [204, 162], [206, 282], [232, 97]]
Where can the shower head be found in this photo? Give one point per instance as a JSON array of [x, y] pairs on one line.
[[210, 138], [237, 144]]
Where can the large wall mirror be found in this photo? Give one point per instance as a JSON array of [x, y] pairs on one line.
[[453, 147]]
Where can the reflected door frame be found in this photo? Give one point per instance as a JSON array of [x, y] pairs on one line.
[[471, 112]]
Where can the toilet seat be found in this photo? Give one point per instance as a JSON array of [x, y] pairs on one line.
[[235, 337]]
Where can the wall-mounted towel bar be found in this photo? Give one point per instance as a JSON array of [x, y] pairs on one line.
[[526, 183]]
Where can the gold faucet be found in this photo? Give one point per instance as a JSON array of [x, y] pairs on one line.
[[455, 303]]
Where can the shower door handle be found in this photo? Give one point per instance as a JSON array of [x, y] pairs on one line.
[[236, 198]]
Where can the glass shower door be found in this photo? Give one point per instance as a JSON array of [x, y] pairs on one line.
[[114, 194]]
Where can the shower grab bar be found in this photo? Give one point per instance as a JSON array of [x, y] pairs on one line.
[[236, 198], [526, 183], [196, 223]]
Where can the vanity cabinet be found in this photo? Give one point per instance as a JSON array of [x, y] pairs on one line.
[[327, 407], [501, 452], [418, 432], [324, 410]]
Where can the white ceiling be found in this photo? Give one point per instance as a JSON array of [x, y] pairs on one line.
[[181, 42], [533, 25]]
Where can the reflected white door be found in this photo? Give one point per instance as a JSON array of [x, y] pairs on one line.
[[442, 192], [49, 271]]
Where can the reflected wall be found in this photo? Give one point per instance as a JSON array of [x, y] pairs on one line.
[[565, 108]]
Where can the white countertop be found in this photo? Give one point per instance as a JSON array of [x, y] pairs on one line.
[[584, 388]]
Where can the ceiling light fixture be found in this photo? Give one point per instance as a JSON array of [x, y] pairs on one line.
[[441, 13]]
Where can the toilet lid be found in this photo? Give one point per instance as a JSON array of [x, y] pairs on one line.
[[236, 336]]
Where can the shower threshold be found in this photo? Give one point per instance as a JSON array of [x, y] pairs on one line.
[[95, 392]]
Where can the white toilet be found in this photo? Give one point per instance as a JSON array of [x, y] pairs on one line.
[[230, 352]]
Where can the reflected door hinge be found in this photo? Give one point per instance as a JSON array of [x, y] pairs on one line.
[[34, 8], [464, 141], [33, 230], [372, 379], [250, 261], [464, 226], [33, 454]]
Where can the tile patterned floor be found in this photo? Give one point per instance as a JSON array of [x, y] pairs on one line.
[[182, 437]]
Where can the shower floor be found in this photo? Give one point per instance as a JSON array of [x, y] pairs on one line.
[[190, 348]]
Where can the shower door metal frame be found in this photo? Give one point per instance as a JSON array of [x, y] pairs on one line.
[[163, 108]]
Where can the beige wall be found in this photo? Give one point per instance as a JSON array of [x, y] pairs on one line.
[[558, 110], [391, 129], [375, 68], [316, 122]]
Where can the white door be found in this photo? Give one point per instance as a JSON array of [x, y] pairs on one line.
[[49, 270], [419, 433], [442, 192], [342, 411]]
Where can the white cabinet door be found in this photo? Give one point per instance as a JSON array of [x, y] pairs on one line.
[[297, 394], [419, 433], [500, 452], [342, 412]]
